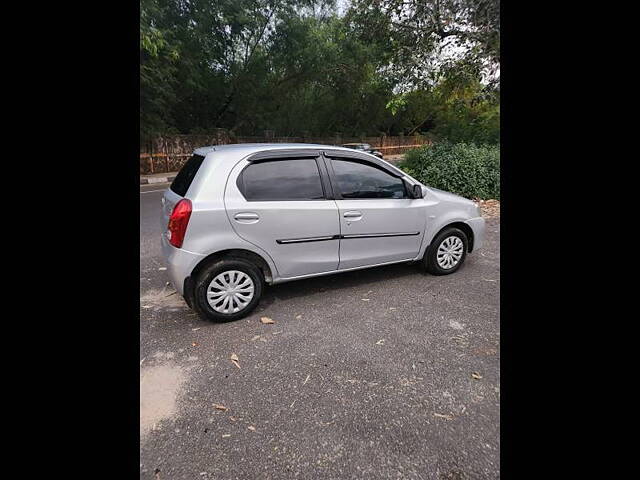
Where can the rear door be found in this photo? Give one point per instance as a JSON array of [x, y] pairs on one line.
[[379, 221], [279, 204]]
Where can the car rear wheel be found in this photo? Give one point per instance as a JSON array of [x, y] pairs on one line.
[[447, 252], [228, 290]]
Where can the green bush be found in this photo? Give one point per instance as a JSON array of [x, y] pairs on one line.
[[470, 170]]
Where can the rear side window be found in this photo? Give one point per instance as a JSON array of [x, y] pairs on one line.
[[361, 180], [186, 175], [281, 180]]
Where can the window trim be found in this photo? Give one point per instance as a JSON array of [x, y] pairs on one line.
[[337, 194], [290, 153], [365, 157], [282, 155]]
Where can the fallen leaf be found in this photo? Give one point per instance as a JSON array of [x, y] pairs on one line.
[[380, 342], [266, 320], [194, 344], [252, 428], [477, 376], [235, 359], [233, 419], [439, 415], [217, 406]]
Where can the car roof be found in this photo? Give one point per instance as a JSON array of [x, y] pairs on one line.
[[355, 143], [243, 149], [227, 155]]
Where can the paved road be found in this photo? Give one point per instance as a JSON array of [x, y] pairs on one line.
[[365, 375]]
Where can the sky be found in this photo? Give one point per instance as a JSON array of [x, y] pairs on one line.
[[342, 6]]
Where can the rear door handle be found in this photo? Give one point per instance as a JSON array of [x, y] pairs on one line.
[[247, 217]]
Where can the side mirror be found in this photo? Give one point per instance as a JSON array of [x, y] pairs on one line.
[[417, 191]]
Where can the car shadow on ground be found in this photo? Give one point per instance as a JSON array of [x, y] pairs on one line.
[[375, 276]]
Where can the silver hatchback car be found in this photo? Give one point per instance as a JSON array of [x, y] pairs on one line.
[[238, 217]]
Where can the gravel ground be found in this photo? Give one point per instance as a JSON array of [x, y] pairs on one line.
[[490, 208], [382, 373]]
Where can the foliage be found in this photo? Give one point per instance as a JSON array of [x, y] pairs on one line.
[[429, 38], [298, 67], [470, 170]]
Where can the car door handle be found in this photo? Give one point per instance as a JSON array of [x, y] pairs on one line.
[[246, 217], [353, 215]]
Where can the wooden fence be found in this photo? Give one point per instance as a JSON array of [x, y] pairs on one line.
[[168, 153]]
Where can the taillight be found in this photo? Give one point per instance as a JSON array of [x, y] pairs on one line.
[[178, 222]]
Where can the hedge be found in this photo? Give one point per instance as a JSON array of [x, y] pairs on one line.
[[469, 170]]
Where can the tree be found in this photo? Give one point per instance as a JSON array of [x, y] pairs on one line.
[[428, 38], [296, 66], [158, 56]]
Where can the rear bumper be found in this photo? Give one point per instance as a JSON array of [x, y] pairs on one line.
[[180, 263], [477, 226]]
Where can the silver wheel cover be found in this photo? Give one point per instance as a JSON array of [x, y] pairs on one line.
[[450, 252], [230, 292]]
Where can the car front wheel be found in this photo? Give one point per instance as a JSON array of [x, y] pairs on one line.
[[447, 252], [228, 290]]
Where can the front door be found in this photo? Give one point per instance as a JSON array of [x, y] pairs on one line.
[[280, 206], [379, 221]]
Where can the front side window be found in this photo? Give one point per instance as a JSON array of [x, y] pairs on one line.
[[282, 180], [360, 180]]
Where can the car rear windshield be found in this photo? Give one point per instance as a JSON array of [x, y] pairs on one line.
[[186, 175]]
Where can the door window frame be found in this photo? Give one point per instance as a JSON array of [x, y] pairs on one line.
[[281, 155], [327, 156]]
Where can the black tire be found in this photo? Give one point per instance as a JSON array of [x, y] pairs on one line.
[[430, 258], [200, 303]]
